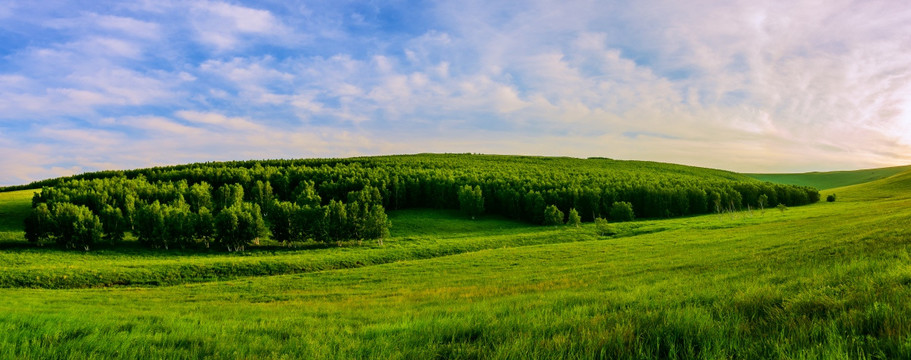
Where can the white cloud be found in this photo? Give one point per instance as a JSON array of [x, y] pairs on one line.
[[224, 26], [218, 120], [740, 85]]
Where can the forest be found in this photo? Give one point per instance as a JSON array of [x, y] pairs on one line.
[[232, 205]]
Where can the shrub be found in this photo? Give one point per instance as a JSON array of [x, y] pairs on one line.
[[603, 227], [622, 211], [553, 216], [781, 207], [574, 218], [830, 198]]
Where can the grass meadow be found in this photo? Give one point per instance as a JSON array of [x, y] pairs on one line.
[[823, 281], [832, 179]]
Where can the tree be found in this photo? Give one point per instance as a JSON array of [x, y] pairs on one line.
[[113, 224], [239, 226], [553, 216], [149, 225], [763, 201], [40, 225], [309, 222], [77, 226], [622, 211], [830, 198], [534, 207], [603, 227], [227, 224], [336, 223], [715, 199], [179, 228], [229, 195], [471, 201], [782, 207], [376, 224], [281, 219], [200, 196], [307, 195], [574, 219], [204, 226], [261, 194]]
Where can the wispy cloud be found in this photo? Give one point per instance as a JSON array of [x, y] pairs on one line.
[[770, 86]]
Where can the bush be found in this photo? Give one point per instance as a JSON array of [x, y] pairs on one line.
[[553, 216], [782, 207], [603, 227], [574, 218], [622, 211], [830, 198]]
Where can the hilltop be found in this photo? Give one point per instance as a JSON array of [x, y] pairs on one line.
[[831, 179]]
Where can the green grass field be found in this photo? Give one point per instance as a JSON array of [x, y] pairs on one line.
[[832, 179], [829, 280], [14, 207]]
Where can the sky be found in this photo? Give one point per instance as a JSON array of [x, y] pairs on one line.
[[748, 86]]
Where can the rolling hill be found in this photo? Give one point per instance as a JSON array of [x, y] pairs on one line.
[[827, 280], [831, 179]]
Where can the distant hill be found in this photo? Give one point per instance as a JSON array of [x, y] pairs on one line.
[[897, 186], [831, 179]]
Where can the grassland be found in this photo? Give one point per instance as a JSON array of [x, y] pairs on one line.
[[832, 179], [14, 207], [829, 280]]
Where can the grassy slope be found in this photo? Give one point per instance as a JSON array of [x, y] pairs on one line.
[[830, 280], [416, 234], [831, 179], [14, 207]]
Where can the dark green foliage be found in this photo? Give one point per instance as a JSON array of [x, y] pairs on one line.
[[309, 223], [715, 201], [239, 226], [149, 226], [622, 211], [229, 195], [471, 200], [782, 207], [179, 225], [376, 224], [261, 194], [200, 196], [574, 219], [553, 216], [205, 226], [40, 225], [534, 206], [114, 224], [336, 224], [830, 198], [603, 228], [307, 195], [77, 227], [281, 221]]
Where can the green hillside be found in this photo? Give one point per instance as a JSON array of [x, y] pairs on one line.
[[235, 206], [828, 280], [14, 207], [831, 179]]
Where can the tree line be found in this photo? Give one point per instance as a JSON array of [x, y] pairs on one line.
[[233, 205]]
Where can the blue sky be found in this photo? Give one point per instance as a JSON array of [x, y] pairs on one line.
[[741, 85]]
